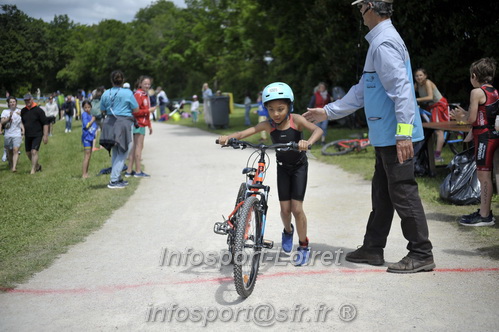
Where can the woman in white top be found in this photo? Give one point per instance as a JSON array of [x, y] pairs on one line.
[[51, 110], [14, 131]]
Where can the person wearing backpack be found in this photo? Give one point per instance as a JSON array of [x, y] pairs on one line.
[[69, 110]]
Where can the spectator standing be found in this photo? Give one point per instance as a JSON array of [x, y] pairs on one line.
[[69, 108], [97, 114], [60, 103], [319, 99], [88, 131], [207, 94], [247, 109], [162, 100], [14, 130], [119, 104], [154, 102], [36, 130], [263, 115], [143, 121], [195, 108], [51, 111], [386, 92]]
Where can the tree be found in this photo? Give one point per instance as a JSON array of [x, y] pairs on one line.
[[224, 42], [23, 59]]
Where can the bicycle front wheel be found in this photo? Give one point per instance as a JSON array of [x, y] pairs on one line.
[[338, 147], [231, 235], [240, 194], [247, 251]]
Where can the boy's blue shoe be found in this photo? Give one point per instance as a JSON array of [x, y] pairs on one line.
[[287, 240], [302, 256], [127, 175]]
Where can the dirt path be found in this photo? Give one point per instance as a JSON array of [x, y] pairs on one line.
[[119, 278]]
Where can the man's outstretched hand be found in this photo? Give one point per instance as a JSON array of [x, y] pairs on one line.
[[315, 115]]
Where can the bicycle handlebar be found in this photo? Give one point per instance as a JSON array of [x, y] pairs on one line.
[[237, 144]]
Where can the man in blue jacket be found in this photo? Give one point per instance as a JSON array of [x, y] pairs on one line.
[[386, 92]]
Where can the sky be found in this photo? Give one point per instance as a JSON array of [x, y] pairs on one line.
[[84, 11]]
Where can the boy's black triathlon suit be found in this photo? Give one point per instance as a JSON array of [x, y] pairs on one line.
[[486, 138], [292, 166]]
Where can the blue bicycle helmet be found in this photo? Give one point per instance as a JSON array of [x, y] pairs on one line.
[[277, 90]]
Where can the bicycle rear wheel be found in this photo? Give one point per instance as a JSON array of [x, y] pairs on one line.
[[455, 142], [247, 253], [339, 147]]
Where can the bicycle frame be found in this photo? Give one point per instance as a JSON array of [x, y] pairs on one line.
[[359, 143], [245, 226], [256, 188]]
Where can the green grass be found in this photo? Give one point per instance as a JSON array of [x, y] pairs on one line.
[[43, 214]]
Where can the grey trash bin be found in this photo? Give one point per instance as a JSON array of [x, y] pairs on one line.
[[219, 109]]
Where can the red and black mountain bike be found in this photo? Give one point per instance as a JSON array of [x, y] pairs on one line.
[[245, 225]]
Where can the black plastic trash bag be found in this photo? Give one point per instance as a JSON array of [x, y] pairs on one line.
[[421, 159], [461, 186]]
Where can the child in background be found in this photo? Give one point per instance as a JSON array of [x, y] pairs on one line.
[[154, 102], [89, 128], [247, 109], [292, 166], [482, 113], [263, 115], [195, 108]]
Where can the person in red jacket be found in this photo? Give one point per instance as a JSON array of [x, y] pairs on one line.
[[319, 99], [142, 119]]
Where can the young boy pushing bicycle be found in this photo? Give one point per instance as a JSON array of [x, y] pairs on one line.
[[292, 166]]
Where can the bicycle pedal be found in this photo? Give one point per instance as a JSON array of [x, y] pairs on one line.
[[220, 228], [268, 244]]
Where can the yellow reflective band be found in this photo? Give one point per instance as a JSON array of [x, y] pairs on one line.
[[404, 129]]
